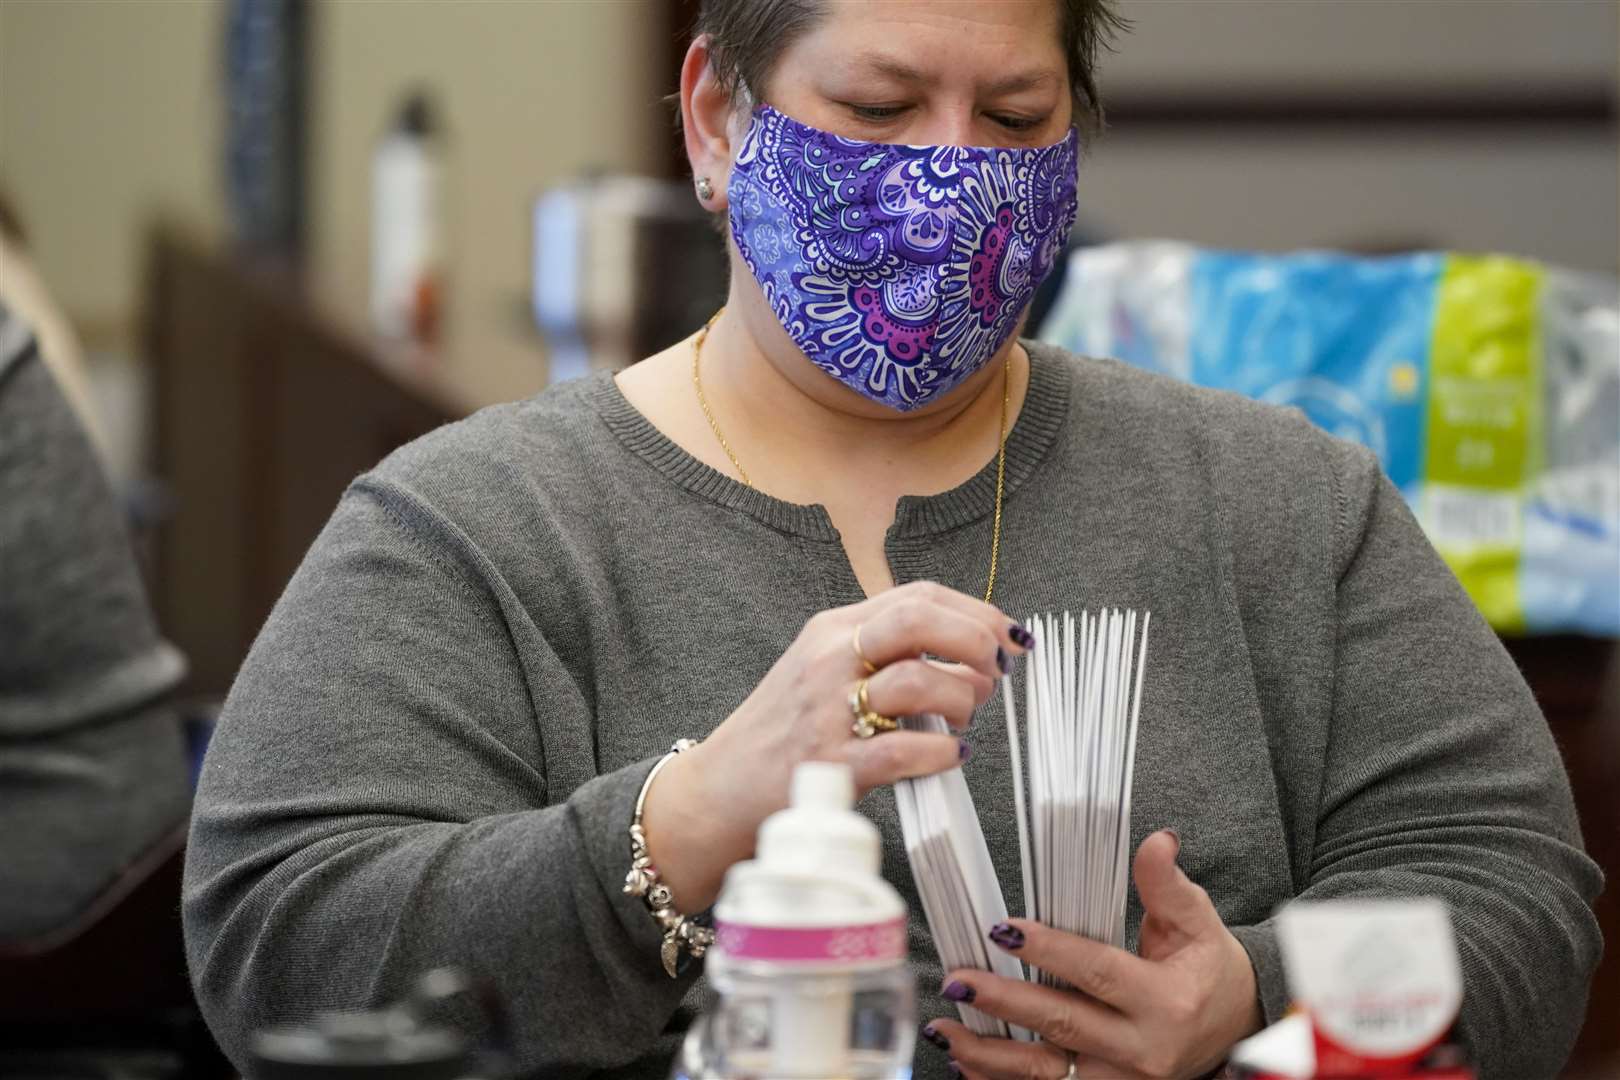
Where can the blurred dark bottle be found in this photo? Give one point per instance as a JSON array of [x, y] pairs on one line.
[[266, 49], [407, 242], [398, 1042]]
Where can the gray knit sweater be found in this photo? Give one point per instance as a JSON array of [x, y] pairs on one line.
[[431, 754], [92, 757]]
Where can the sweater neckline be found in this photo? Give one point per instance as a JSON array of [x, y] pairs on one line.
[[1044, 411]]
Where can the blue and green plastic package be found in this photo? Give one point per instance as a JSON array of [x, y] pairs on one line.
[[1488, 386]]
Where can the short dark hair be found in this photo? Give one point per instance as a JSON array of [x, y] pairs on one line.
[[747, 36]]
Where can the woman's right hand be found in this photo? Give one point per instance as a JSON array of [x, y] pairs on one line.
[[704, 810]]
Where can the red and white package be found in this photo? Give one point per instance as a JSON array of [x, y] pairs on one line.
[[1377, 988]]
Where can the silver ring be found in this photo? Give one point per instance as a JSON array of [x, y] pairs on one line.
[[1072, 1074]]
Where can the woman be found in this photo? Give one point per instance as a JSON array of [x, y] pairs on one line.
[[434, 753]]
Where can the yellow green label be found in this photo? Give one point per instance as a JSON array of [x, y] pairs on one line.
[[1483, 430]]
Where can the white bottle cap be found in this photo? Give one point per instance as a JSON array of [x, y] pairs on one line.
[[817, 863], [820, 832], [824, 785]]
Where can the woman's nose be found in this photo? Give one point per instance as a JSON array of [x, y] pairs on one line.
[[952, 124]]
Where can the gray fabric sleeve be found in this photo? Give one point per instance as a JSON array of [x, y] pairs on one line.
[[375, 804], [92, 763], [1442, 779], [80, 642], [78, 807]]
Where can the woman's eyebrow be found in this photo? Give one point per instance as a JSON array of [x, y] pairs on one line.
[[877, 63], [1026, 80], [882, 64]]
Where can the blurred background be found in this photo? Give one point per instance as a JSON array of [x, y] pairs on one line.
[[281, 237], [1240, 123]]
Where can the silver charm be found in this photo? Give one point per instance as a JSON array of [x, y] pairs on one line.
[[637, 881], [641, 880]]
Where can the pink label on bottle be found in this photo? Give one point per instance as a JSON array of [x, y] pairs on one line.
[[863, 944]]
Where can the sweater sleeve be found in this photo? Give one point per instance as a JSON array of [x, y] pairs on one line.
[[92, 758], [375, 804], [1441, 778]]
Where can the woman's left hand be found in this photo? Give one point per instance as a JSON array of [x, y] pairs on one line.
[[1173, 1011]]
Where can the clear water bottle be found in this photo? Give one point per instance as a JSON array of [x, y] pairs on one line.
[[809, 959]]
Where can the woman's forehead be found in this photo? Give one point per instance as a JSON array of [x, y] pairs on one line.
[[885, 62], [1002, 46]]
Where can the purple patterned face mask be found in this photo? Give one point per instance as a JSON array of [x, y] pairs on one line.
[[898, 270]]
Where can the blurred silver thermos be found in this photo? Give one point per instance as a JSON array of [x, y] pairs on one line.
[[407, 226]]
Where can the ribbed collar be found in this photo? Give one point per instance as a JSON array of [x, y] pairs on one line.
[[1045, 409]]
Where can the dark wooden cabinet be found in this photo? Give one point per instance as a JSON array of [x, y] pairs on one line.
[[1577, 682], [263, 414]]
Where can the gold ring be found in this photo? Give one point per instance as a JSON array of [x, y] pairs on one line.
[[855, 643], [867, 723]]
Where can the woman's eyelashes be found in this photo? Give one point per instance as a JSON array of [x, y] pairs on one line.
[[1018, 123], [880, 115], [875, 114]]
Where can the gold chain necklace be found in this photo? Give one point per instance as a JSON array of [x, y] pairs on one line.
[[1001, 445]]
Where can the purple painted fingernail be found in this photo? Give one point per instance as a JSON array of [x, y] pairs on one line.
[[959, 991], [1022, 636], [954, 1070], [1008, 937], [963, 751], [1003, 661], [932, 1035]]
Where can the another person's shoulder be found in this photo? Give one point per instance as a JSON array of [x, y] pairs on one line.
[[22, 370]]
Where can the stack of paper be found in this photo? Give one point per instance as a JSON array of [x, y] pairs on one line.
[[955, 878], [1083, 695], [1072, 774]]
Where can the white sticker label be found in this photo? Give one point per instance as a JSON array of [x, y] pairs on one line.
[[1459, 518], [1379, 977]]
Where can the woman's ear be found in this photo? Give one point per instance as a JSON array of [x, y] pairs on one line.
[[706, 113]]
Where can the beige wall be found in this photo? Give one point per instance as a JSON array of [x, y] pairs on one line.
[[531, 92], [1509, 46], [109, 113], [1547, 191], [1550, 194]]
